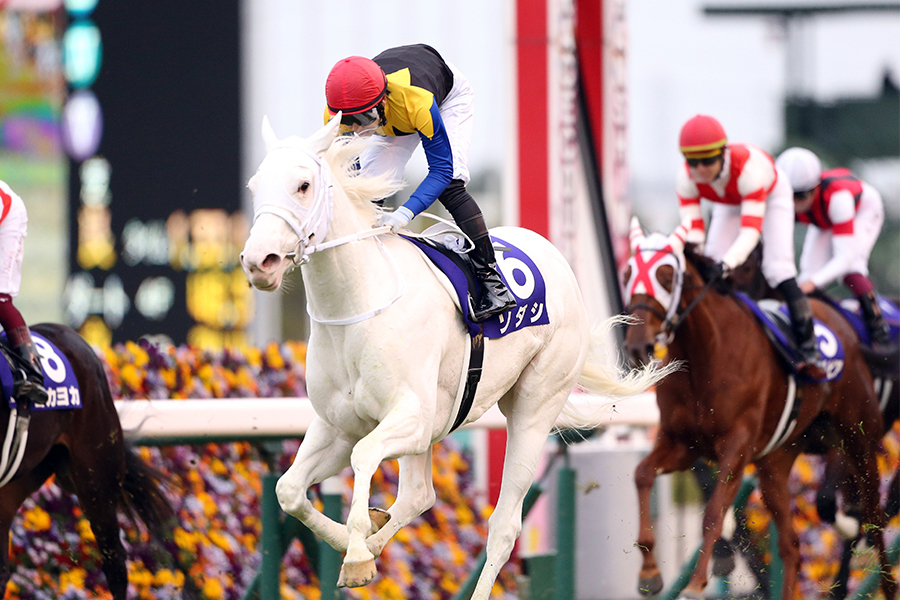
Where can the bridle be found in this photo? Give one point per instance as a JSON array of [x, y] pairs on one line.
[[675, 315]]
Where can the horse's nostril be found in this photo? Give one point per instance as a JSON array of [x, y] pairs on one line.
[[271, 262]]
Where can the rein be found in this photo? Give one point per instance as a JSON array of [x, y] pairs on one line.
[[672, 322]]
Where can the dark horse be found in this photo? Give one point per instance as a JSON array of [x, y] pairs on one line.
[[730, 403], [87, 452]]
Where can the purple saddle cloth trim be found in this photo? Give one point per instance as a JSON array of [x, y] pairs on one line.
[[778, 326], [851, 311], [59, 378], [527, 281]]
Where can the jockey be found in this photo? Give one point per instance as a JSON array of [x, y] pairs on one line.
[[845, 216], [13, 229], [410, 94], [751, 199]]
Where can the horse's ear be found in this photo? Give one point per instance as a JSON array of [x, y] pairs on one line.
[[268, 134], [678, 237], [636, 235], [321, 140]]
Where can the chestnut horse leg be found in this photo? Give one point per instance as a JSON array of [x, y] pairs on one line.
[[734, 454], [668, 455], [773, 477]]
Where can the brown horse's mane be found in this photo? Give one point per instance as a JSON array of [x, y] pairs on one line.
[[746, 278], [704, 266]]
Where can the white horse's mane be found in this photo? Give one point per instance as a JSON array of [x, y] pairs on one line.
[[362, 190]]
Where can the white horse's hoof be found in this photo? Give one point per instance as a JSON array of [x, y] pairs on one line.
[[379, 519], [356, 574]]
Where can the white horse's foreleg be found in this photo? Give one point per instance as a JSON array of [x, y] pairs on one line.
[[523, 451], [415, 495], [323, 453], [400, 433]]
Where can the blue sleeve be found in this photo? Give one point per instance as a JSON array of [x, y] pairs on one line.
[[440, 165]]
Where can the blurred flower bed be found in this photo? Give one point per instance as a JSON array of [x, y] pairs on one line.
[[218, 503], [217, 497]]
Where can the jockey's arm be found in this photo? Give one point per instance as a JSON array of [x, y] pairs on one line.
[[689, 207], [438, 153], [841, 211], [753, 207]]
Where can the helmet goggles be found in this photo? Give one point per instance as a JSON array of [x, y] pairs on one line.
[[366, 117]]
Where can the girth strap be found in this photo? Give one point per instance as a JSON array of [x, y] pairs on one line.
[[476, 359]]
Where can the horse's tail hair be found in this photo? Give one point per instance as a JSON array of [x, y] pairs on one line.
[[602, 377], [144, 496], [144, 499]]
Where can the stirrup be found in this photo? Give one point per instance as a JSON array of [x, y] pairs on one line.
[[31, 391], [483, 313], [812, 369]]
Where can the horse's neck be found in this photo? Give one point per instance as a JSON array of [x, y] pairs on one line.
[[702, 334], [351, 279]]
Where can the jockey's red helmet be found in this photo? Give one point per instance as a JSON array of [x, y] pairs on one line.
[[354, 85], [701, 137]]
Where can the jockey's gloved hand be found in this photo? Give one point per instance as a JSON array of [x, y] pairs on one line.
[[719, 271], [397, 219]]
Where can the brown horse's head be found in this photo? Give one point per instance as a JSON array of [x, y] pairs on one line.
[[653, 280]]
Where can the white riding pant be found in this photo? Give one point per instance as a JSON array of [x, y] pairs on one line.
[[777, 232], [13, 230], [819, 244], [457, 112]]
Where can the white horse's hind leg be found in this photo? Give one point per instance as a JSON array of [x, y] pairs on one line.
[[524, 444], [401, 433], [323, 453], [415, 495]]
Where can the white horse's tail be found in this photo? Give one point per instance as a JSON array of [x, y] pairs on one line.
[[603, 378]]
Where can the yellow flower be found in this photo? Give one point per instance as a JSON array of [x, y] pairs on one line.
[[218, 467], [209, 505], [132, 377], [37, 519], [164, 577], [186, 540], [273, 357], [219, 540], [74, 578], [213, 589], [84, 530]]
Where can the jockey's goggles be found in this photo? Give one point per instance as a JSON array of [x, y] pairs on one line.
[[367, 117], [706, 162]]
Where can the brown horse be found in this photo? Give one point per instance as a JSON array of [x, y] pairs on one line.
[[85, 448], [731, 402]]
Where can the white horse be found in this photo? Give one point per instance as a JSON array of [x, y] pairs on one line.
[[388, 350]]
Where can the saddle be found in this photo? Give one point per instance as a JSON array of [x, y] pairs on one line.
[[775, 320], [59, 378], [444, 248], [447, 255]]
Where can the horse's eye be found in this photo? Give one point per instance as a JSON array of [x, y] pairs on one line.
[[303, 186]]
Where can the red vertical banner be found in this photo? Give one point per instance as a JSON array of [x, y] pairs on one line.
[[589, 44], [533, 162], [531, 95]]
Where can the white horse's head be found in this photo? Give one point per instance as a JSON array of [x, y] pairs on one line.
[[292, 203]]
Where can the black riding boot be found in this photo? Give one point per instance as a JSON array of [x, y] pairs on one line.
[[32, 385], [879, 333], [804, 331], [495, 297]]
